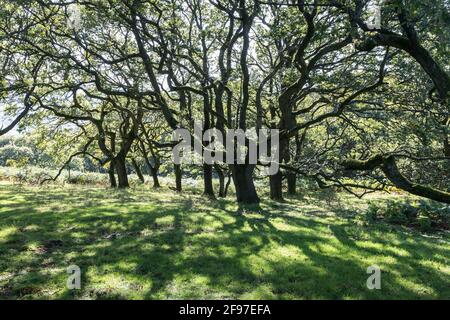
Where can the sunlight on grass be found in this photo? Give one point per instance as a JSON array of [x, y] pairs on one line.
[[150, 244]]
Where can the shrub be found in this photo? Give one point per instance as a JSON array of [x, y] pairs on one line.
[[86, 178], [424, 223], [372, 213], [437, 213], [14, 153], [401, 212], [425, 215]]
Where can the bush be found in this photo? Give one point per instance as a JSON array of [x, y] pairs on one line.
[[437, 213], [424, 215], [399, 212], [32, 175], [424, 223], [372, 213], [12, 155], [86, 178]]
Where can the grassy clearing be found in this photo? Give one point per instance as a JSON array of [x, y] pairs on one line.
[[145, 244]]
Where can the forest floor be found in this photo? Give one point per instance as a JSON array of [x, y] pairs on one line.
[[147, 244]]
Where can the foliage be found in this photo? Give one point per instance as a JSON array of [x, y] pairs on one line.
[[21, 151], [425, 215], [110, 90], [11, 155]]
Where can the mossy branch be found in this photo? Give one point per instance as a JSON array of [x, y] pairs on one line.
[[389, 167]]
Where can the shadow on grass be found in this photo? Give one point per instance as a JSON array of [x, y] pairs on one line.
[[156, 244]]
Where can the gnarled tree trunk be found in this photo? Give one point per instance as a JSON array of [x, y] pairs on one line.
[[121, 170], [112, 177], [221, 176], [137, 170], [178, 175], [153, 169], [208, 180], [291, 182], [276, 186], [291, 177], [154, 174], [243, 182]]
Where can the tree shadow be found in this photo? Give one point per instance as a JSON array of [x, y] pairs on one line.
[[180, 246]]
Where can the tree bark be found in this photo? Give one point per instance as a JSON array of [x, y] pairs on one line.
[[292, 183], [178, 176], [154, 174], [227, 185], [121, 170], [446, 137], [276, 180], [243, 182], [208, 180], [390, 169], [112, 177], [152, 169], [276, 186], [291, 177], [138, 170], [18, 118], [221, 176]]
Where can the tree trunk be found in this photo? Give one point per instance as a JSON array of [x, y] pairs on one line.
[[276, 180], [292, 176], [208, 180], [276, 186], [446, 145], [154, 173], [291, 182], [138, 170], [112, 177], [225, 191], [221, 181], [121, 170], [177, 169], [153, 169], [243, 183]]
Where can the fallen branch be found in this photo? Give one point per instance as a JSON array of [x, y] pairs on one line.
[[389, 167]]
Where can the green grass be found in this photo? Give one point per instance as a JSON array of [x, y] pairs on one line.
[[146, 244]]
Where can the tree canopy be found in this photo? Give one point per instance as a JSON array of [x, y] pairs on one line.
[[358, 107]]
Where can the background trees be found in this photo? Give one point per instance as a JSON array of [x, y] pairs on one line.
[[358, 108]]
